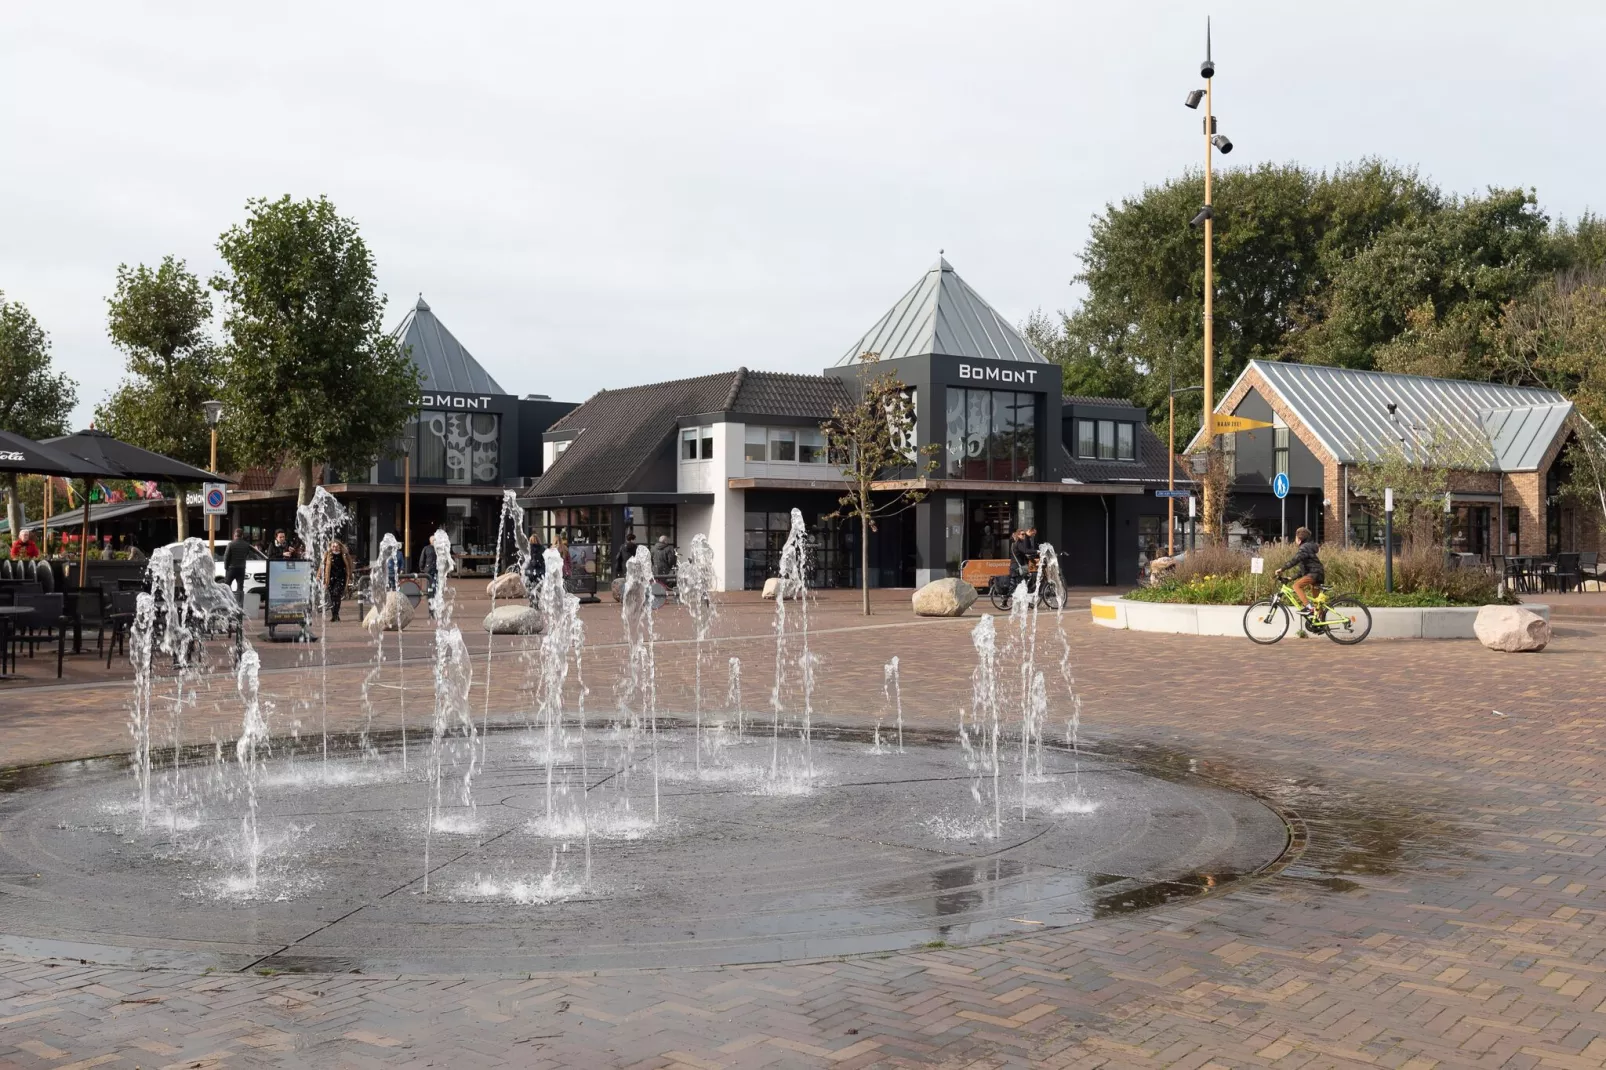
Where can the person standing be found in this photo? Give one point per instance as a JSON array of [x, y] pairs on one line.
[[622, 555], [663, 557], [23, 547], [280, 550], [337, 572], [535, 566], [235, 556]]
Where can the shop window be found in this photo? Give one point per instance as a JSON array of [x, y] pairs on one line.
[[1279, 449], [1513, 529], [833, 548], [1126, 445], [991, 434], [755, 444], [584, 533], [783, 444], [1087, 440], [811, 446]]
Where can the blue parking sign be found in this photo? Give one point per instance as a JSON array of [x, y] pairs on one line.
[[1279, 485]]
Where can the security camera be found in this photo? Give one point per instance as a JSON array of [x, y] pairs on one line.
[[1220, 141], [1204, 213]]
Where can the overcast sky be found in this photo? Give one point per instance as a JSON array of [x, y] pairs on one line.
[[594, 195]]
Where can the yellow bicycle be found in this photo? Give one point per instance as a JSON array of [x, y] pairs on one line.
[[1342, 618]]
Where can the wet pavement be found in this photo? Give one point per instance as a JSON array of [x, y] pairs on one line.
[[1443, 901]]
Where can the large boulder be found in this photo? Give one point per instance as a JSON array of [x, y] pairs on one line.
[[1511, 628], [513, 620], [773, 584], [507, 585], [393, 616], [944, 598]]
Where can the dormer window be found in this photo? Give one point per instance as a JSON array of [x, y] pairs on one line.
[[1106, 440], [697, 443]]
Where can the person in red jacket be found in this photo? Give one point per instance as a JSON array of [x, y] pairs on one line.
[[24, 546]]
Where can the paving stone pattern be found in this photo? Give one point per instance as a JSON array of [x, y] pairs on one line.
[[1447, 909]]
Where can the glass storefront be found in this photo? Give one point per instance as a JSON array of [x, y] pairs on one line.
[[833, 552], [991, 522], [457, 448], [991, 434], [586, 530]]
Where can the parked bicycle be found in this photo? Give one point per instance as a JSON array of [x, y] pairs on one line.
[[1343, 618], [1002, 589]]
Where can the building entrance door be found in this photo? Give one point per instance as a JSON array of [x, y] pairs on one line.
[[989, 523]]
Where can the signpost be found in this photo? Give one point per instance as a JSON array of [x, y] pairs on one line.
[[1227, 424], [1279, 487], [289, 595], [214, 500], [1193, 505]]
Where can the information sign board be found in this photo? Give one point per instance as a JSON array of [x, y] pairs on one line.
[[214, 499], [289, 592]]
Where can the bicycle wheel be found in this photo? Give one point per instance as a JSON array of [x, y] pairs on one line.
[[1051, 598], [1266, 621], [1000, 596], [1348, 620]]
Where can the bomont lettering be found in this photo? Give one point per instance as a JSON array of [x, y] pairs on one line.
[[453, 401], [998, 375]]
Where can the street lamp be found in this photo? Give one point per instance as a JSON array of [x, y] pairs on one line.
[[214, 413], [407, 498], [1206, 219], [1171, 468]]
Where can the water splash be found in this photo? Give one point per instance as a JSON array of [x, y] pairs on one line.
[[317, 524], [696, 580], [509, 527], [892, 689], [638, 700], [979, 735], [140, 642], [562, 642], [792, 651], [454, 736], [733, 693]]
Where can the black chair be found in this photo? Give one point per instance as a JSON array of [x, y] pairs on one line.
[[47, 621], [87, 610], [46, 577], [30, 570], [1589, 569], [5, 569], [119, 619], [1566, 576]]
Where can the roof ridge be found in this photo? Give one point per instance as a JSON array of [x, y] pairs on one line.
[[736, 388], [1405, 375]]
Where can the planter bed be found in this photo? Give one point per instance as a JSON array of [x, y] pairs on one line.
[[1424, 622]]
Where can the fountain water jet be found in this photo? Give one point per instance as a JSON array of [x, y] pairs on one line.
[[317, 523], [792, 585], [696, 588], [453, 679]]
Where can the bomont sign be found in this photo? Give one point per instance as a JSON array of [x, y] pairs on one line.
[[454, 401], [997, 375]]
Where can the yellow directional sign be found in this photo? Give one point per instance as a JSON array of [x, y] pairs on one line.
[[1226, 424]]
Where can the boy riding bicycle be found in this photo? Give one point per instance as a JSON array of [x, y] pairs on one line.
[[1311, 572]]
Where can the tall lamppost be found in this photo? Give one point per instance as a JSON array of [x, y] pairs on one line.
[[214, 413], [1171, 469], [1206, 219], [407, 501]]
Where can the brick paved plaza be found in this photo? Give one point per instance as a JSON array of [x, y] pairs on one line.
[[1444, 903]]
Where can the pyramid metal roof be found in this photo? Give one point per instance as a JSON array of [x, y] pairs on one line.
[[942, 314], [446, 364]]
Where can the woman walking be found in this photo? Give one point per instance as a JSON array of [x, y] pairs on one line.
[[337, 572]]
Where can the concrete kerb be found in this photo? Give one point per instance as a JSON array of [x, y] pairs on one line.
[[1436, 622]]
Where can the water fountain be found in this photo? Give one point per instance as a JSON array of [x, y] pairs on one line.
[[726, 869], [317, 524]]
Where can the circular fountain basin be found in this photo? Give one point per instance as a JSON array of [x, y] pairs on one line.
[[880, 850]]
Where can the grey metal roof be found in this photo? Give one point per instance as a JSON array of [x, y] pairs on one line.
[[1347, 410], [446, 365], [1520, 436], [942, 314]]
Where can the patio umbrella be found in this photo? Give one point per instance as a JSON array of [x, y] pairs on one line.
[[24, 456], [122, 460]]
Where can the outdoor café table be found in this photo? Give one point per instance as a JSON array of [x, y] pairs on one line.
[[7, 613]]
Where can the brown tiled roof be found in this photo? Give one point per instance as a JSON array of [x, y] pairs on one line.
[[778, 394], [621, 430]]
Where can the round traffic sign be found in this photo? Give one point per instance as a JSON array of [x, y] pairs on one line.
[[1279, 485], [214, 498]]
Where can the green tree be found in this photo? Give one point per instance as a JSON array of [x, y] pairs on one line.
[[34, 400], [159, 320], [310, 372], [874, 442], [1419, 468], [1281, 231]]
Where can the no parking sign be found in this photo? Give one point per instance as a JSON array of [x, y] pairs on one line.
[[214, 500]]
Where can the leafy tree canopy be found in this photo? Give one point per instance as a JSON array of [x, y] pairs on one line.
[[1368, 265], [310, 371], [34, 400], [158, 319]]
